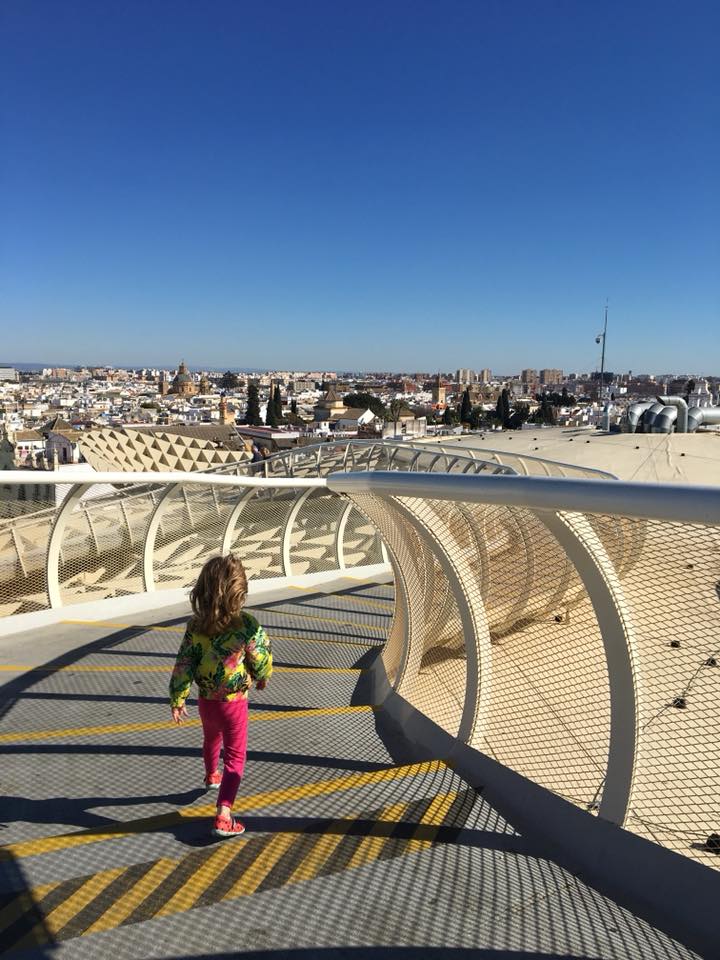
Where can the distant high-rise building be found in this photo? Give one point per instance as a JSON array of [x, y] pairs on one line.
[[485, 376], [9, 373], [550, 376], [529, 376], [465, 376]]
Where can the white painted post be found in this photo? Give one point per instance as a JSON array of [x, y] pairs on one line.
[[52, 563], [340, 537], [151, 535], [476, 633], [229, 531], [287, 532], [585, 550]]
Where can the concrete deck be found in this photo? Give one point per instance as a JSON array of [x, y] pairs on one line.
[[650, 457], [351, 843]]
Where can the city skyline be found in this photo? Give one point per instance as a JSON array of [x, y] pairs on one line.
[[498, 375], [320, 186]]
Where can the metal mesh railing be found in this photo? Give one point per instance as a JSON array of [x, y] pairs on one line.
[[578, 648], [573, 641], [128, 538]]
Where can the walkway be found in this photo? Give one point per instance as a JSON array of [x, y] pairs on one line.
[[350, 843]]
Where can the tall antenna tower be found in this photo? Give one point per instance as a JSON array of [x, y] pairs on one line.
[[598, 338]]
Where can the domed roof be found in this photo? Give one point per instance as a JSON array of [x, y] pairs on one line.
[[182, 376]]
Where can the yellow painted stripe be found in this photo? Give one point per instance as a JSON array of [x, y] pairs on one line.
[[163, 668], [271, 630], [256, 801], [311, 616], [90, 731], [122, 908], [186, 897], [382, 604], [338, 643], [27, 901], [33, 668], [326, 845], [49, 925], [373, 843], [168, 724], [433, 817], [261, 866], [122, 626], [69, 908]]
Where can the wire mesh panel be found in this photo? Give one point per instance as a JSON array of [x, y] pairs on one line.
[[673, 592], [429, 668], [362, 543], [313, 537], [192, 520], [258, 535], [529, 575], [550, 710], [101, 548], [24, 534]]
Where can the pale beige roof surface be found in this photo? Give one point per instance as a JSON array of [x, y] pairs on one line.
[[654, 457], [128, 449]]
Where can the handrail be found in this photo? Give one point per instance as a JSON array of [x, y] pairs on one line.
[[683, 503], [188, 479]]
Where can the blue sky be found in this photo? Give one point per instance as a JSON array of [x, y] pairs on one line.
[[360, 185]]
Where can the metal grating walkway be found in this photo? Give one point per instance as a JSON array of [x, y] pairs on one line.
[[105, 824]]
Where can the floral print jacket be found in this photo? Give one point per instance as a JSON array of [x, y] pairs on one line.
[[223, 666]]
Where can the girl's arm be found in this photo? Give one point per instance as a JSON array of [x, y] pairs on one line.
[[183, 674], [258, 655]]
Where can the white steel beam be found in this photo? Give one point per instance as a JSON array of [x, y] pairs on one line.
[[652, 501], [590, 559], [151, 536], [52, 562]]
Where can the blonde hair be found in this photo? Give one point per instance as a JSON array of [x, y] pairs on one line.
[[219, 594]]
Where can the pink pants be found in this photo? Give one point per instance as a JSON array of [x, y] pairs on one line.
[[225, 722]]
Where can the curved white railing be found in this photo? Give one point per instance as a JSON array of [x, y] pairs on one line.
[[122, 533], [567, 628]]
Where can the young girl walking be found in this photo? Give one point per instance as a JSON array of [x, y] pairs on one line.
[[224, 649]]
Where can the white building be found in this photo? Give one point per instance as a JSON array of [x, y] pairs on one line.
[[701, 395]]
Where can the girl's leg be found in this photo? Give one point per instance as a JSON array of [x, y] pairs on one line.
[[235, 718], [212, 723]]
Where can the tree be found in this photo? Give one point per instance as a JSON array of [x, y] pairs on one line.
[[277, 405], [545, 412], [518, 417], [271, 419], [396, 409], [252, 416], [465, 407], [477, 416], [366, 401], [294, 419], [503, 408], [448, 418], [229, 381], [689, 388], [293, 407]]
